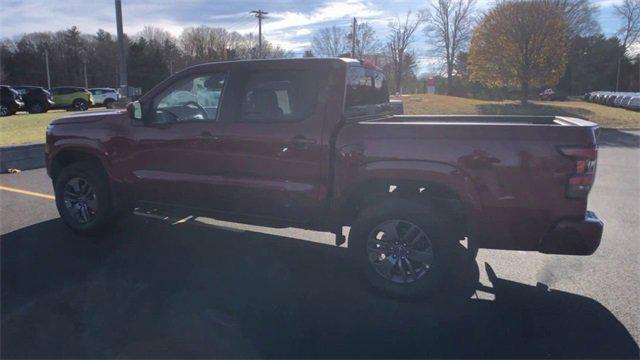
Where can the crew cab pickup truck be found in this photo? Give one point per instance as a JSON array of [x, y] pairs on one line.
[[316, 144]]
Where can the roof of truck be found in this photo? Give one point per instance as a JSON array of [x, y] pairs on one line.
[[282, 60]]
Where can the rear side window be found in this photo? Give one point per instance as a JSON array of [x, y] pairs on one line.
[[279, 96], [63, 91], [365, 86]]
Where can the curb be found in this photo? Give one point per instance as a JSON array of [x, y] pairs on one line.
[[21, 157]]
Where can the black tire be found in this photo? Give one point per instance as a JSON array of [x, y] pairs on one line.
[[104, 213], [37, 108], [404, 211], [80, 105], [4, 110], [108, 103]]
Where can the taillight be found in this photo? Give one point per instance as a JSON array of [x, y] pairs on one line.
[[580, 183]]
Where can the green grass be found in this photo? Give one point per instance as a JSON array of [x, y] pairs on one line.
[[605, 116], [24, 128], [27, 128]]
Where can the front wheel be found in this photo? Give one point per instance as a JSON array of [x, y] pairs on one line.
[[83, 198], [80, 105], [109, 103], [401, 247]]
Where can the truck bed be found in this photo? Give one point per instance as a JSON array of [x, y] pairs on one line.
[[488, 120], [512, 163]]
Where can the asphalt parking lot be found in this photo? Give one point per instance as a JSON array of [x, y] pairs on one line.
[[151, 289]]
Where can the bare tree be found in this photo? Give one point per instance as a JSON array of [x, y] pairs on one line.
[[400, 38], [366, 42], [449, 26], [629, 12], [330, 42], [155, 34], [579, 16]]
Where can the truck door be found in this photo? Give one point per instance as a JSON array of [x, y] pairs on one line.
[[274, 144], [176, 156]]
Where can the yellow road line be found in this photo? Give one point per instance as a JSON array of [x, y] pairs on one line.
[[25, 192]]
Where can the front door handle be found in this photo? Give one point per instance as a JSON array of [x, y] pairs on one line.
[[302, 142]]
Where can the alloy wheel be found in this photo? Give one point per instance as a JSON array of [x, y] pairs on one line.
[[80, 200], [400, 251]]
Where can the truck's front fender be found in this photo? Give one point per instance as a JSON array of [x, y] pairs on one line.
[[87, 146]]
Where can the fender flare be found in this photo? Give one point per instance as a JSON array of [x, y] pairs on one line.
[[426, 171], [83, 145]]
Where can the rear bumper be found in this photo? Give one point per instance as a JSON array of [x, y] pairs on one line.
[[574, 237]]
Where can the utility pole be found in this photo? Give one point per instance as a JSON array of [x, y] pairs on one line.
[[260, 15], [353, 38], [122, 81], [86, 82], [46, 62]]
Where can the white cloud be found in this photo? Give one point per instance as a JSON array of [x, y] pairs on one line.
[[328, 12]]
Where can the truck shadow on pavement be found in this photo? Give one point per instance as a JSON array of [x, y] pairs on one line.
[[155, 290], [617, 138]]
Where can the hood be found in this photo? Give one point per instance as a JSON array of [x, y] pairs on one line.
[[89, 117]]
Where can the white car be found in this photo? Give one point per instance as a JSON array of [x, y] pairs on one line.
[[104, 96]]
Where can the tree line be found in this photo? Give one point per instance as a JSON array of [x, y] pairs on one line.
[[152, 55], [510, 50]]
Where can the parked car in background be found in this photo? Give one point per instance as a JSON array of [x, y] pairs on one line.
[[613, 98], [10, 101], [72, 98], [551, 95], [36, 99], [634, 103], [104, 96]]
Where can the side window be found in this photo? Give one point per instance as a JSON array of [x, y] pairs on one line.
[[195, 98], [278, 96], [365, 87]]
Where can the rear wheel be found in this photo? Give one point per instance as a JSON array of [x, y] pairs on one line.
[[401, 247], [80, 105], [83, 198], [37, 108], [4, 110]]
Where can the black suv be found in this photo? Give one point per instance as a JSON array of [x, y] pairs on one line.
[[10, 101], [36, 99]]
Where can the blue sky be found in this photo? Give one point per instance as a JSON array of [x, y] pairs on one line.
[[290, 24]]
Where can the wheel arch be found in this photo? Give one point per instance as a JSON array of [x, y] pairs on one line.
[[70, 155], [442, 185]]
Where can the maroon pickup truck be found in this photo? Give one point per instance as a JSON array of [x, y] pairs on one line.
[[316, 144]]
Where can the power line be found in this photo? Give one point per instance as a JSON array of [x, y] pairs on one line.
[[240, 23], [260, 15]]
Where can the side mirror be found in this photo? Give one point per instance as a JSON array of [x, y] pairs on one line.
[[134, 109]]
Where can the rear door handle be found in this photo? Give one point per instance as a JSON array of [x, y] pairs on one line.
[[302, 142], [208, 137]]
